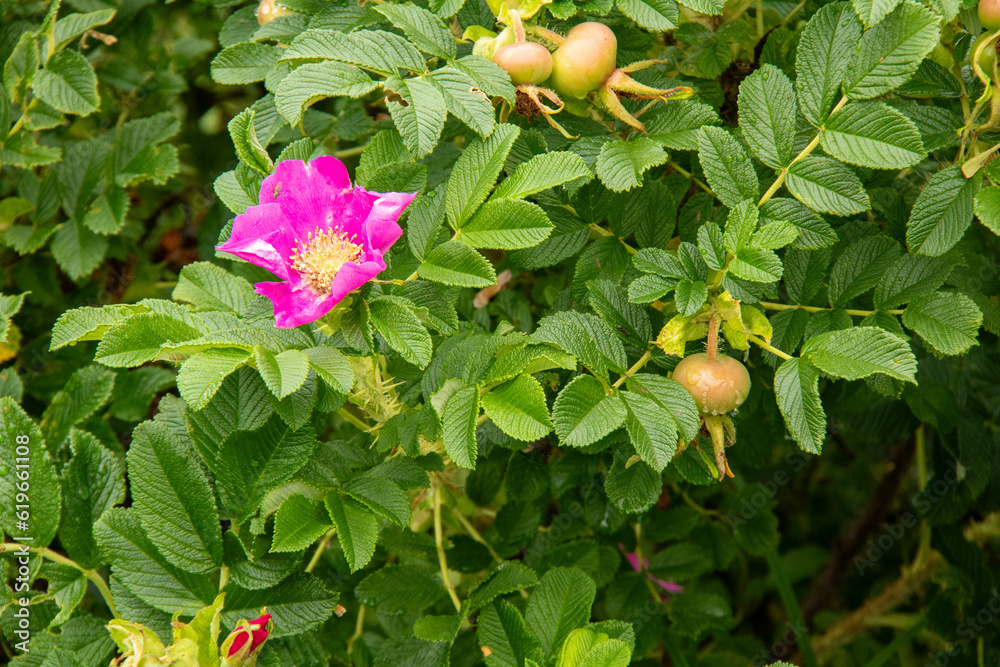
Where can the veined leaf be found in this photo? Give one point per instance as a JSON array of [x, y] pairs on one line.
[[827, 186], [654, 15], [376, 50], [455, 263], [245, 62], [948, 321], [583, 414], [767, 115], [796, 388], [459, 426], [16, 428], [419, 114], [560, 603], [475, 173], [541, 173], [507, 224], [357, 529], [872, 134], [825, 50], [298, 523], [402, 330], [859, 352], [621, 164], [422, 27], [519, 409], [312, 82], [728, 169], [942, 212], [464, 100], [651, 429]]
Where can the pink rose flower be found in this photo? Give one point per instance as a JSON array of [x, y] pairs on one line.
[[316, 233], [668, 586]]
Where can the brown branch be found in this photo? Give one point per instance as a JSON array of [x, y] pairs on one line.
[[827, 587]]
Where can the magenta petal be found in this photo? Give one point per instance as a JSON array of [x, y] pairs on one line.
[[381, 234], [352, 276], [633, 560], [262, 236], [309, 195], [293, 307]]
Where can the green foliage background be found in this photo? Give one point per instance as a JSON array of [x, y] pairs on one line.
[[425, 475]]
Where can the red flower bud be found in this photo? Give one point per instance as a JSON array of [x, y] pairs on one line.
[[244, 643]]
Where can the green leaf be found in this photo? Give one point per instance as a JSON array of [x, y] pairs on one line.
[[588, 338], [489, 77], [332, 367], [459, 426], [68, 83], [767, 115], [559, 604], [283, 373], [610, 301], [948, 321], [419, 113], [210, 287], [677, 125], [455, 263], [18, 431], [402, 330], [621, 164], [542, 172], [774, 235], [312, 82], [106, 215], [709, 7], [507, 224], [77, 249], [740, 226], [406, 589], [298, 523], [911, 276], [502, 628], [651, 429], [827, 186], [859, 352], [202, 374], [247, 144], [174, 500], [475, 173], [92, 482], [258, 459], [826, 48], [70, 27], [759, 266], [673, 397], [245, 62], [872, 11], [86, 391], [583, 414], [518, 407], [860, 266], [872, 134], [728, 169], [699, 612], [464, 100], [654, 15], [381, 495], [796, 389], [814, 231], [425, 218], [137, 340], [690, 296], [510, 576], [942, 212], [357, 529], [376, 50], [422, 27], [891, 51], [988, 207], [297, 605], [144, 571]]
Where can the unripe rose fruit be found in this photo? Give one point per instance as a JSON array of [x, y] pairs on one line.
[[527, 62], [718, 386], [585, 60], [989, 14], [268, 10]]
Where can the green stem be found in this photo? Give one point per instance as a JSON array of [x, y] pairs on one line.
[[691, 177], [816, 309], [353, 420], [801, 156], [439, 544], [636, 367], [605, 232], [475, 534], [892, 649], [359, 627], [51, 555], [767, 346], [349, 152], [322, 547], [920, 441], [760, 20], [791, 603]]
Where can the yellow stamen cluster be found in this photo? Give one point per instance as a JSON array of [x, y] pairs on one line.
[[320, 257]]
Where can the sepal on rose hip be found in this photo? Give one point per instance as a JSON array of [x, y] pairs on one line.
[[244, 644], [620, 83]]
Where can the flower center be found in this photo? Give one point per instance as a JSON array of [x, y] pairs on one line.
[[320, 257]]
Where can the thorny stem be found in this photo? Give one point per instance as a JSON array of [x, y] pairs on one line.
[[778, 182], [713, 338], [51, 555], [439, 543], [322, 547], [816, 309], [767, 346], [359, 628], [636, 367]]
